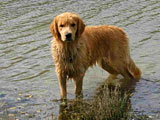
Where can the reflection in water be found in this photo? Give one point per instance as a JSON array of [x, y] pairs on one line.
[[111, 101]]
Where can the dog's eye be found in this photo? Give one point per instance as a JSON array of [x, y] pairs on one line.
[[61, 25], [73, 25]]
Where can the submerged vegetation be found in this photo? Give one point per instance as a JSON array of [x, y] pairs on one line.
[[109, 103], [107, 106]]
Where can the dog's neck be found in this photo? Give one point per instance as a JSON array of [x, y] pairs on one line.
[[71, 52], [68, 51]]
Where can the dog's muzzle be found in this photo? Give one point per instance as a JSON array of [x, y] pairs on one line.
[[68, 37]]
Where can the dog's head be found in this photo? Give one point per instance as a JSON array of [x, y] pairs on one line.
[[67, 27]]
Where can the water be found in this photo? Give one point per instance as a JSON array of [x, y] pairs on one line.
[[28, 83]]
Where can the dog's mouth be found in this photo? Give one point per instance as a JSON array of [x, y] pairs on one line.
[[68, 39]]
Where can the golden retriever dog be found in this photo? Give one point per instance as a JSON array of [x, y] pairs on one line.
[[76, 47]]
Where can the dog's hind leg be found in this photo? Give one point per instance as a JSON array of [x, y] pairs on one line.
[[103, 64], [128, 69]]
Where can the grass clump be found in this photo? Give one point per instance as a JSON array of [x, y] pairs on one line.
[[108, 104]]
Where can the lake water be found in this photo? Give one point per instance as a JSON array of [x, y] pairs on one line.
[[28, 82]]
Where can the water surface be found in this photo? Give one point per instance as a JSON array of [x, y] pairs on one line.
[[28, 83]]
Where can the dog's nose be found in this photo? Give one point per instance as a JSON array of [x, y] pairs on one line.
[[68, 35]]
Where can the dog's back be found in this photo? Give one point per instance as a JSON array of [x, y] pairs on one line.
[[110, 44]]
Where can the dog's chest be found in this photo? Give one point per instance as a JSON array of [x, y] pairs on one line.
[[69, 61], [71, 66]]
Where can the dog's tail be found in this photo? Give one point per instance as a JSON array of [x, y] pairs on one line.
[[133, 70]]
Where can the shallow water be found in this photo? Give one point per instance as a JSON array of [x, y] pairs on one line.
[[28, 83]]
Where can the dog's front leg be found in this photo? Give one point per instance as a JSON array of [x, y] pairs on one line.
[[78, 85], [62, 86]]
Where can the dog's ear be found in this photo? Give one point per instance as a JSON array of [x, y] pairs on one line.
[[80, 27], [54, 28]]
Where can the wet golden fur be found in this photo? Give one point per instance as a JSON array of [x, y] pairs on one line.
[[105, 45]]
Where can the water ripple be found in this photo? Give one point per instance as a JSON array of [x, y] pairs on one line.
[[32, 76]]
